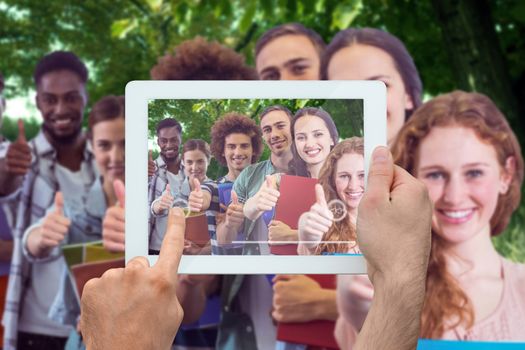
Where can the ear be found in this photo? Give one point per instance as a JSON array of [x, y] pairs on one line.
[[507, 174]]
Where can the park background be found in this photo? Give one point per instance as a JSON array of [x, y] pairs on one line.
[[473, 45]]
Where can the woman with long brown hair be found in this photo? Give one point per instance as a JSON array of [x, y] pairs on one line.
[[342, 181], [461, 146]]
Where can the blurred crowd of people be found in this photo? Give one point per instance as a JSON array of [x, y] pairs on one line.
[[66, 186]]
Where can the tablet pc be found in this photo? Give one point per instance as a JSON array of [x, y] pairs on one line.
[[358, 109]]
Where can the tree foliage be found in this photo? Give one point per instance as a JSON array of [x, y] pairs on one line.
[[121, 40], [198, 116]]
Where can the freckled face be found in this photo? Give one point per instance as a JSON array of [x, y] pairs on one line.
[[464, 179]]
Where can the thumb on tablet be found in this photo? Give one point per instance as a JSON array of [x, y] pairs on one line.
[[172, 244]]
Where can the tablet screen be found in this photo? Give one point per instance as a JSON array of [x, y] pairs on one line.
[[245, 172], [269, 173]]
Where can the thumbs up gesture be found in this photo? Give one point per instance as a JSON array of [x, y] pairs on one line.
[[18, 156], [265, 199], [151, 164], [317, 221], [196, 198], [113, 225], [165, 202], [234, 214], [51, 232]]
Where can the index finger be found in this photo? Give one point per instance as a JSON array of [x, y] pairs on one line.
[[172, 244]]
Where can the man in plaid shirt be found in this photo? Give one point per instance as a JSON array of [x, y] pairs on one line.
[[58, 158]]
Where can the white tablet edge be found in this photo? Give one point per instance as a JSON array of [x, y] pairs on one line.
[[138, 93]]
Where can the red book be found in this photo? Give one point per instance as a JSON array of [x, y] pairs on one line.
[[297, 196], [84, 272], [314, 333], [197, 229]]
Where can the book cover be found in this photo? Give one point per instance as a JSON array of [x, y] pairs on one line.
[[297, 196], [318, 333]]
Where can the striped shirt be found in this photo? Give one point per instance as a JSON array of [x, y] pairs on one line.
[[212, 187]]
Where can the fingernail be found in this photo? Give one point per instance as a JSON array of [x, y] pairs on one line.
[[380, 154]]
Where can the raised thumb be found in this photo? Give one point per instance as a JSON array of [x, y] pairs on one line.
[[235, 198], [380, 174], [21, 132], [59, 203], [120, 192]]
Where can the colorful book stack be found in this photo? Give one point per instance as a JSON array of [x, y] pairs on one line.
[[89, 260]]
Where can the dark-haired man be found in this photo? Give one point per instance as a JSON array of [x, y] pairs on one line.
[[289, 52], [169, 171], [57, 158]]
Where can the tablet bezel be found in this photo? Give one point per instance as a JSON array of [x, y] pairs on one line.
[[138, 93]]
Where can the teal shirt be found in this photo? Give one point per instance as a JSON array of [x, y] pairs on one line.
[[246, 185]]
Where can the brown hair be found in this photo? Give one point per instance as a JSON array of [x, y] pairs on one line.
[[290, 29], [197, 144], [198, 59], [234, 123], [342, 230], [445, 300], [107, 108], [276, 108], [297, 165], [387, 42]]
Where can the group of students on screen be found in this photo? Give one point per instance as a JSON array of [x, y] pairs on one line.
[[67, 186]]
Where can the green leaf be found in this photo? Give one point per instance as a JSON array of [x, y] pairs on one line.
[[248, 17], [154, 5], [121, 27]]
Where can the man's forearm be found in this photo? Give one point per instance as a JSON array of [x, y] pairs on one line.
[[327, 307], [225, 233], [193, 296], [394, 319]]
